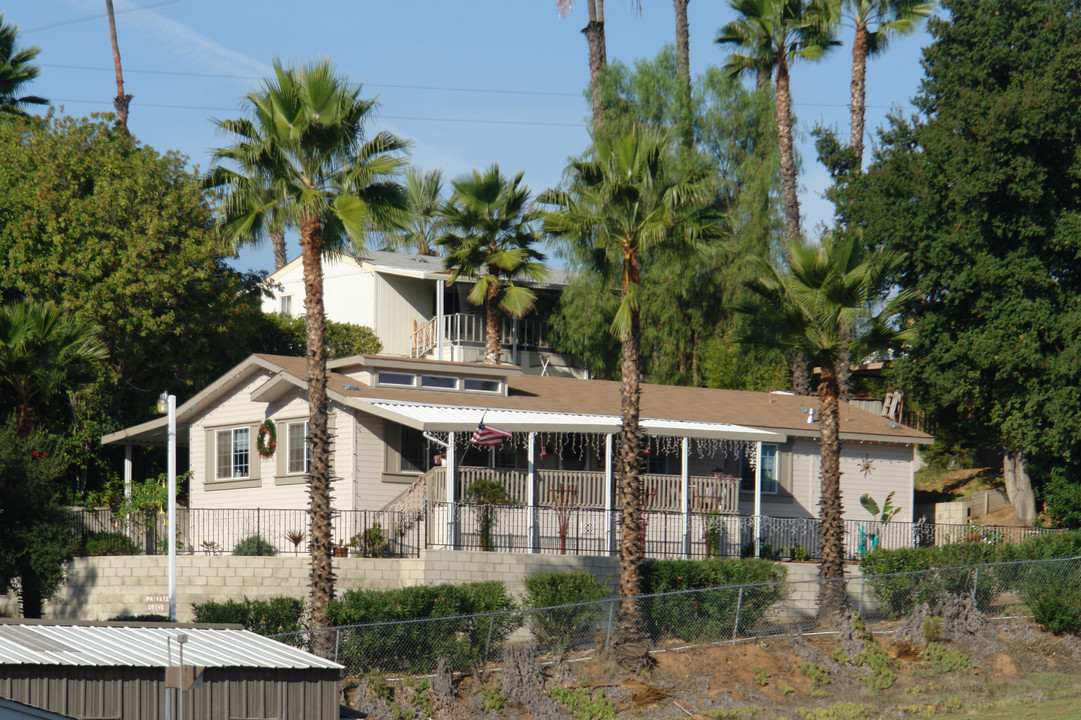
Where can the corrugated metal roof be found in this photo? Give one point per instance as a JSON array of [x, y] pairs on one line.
[[453, 417], [148, 647]]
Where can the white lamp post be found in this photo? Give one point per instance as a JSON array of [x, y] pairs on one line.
[[167, 404]]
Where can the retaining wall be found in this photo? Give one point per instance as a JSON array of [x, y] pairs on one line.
[[100, 588]]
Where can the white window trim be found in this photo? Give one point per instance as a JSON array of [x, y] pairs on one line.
[[232, 454], [289, 449]]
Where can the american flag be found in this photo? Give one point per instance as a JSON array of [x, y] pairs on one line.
[[488, 436]]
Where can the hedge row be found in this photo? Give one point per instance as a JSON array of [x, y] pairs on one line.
[[1052, 591], [407, 630]]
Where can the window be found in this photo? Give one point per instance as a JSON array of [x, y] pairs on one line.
[[415, 454], [298, 460], [287, 305], [482, 385], [393, 378], [439, 381], [233, 453], [770, 485], [505, 456]]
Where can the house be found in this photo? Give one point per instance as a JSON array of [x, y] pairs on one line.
[[134, 671], [407, 301], [737, 462]]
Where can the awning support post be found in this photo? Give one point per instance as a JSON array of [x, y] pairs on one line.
[[610, 521], [452, 495], [757, 499], [684, 501], [531, 492]]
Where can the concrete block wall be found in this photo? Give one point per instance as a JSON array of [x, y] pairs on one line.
[[103, 587], [100, 588]]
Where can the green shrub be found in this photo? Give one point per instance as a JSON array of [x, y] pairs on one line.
[[107, 543], [371, 543], [709, 612], [898, 579], [266, 617], [254, 545], [1061, 495], [463, 623], [570, 603], [1053, 594]]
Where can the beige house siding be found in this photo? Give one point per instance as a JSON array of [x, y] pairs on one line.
[[399, 303], [267, 485]]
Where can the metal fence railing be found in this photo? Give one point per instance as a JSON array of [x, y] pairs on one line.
[[510, 528], [962, 597]]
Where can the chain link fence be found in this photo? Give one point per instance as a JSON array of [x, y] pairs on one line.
[[1047, 590]]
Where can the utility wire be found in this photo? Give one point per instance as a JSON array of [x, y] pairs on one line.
[[497, 91], [485, 121], [87, 18]]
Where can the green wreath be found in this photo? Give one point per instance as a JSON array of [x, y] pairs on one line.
[[267, 440]]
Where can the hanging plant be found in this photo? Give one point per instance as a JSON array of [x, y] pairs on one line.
[[267, 439]]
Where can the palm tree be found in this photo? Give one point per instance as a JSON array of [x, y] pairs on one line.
[[15, 71], [421, 225], [620, 208], [304, 137], [832, 302], [490, 236], [887, 17], [773, 34], [44, 353], [122, 100]]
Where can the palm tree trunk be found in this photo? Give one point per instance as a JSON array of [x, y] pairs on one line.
[[491, 325], [801, 374], [683, 68], [629, 628], [322, 572], [832, 594], [121, 101], [859, 92], [598, 57], [277, 240], [789, 191]]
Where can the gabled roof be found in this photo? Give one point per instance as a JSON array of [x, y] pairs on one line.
[[146, 645], [536, 402]]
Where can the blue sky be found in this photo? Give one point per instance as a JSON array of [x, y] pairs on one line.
[[468, 83]]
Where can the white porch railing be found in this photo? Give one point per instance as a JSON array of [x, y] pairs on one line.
[[585, 489], [467, 328]]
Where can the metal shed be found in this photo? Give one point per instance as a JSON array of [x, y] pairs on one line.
[[119, 671]]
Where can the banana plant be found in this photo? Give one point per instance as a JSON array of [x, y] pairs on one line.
[[887, 512]]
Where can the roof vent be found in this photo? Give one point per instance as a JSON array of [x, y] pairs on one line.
[[895, 426], [350, 386]]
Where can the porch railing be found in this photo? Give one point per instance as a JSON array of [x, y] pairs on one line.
[[585, 489], [516, 528]]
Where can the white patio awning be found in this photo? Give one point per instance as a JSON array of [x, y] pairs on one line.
[[454, 418]]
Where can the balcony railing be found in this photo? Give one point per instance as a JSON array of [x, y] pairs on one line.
[[585, 489], [469, 329]]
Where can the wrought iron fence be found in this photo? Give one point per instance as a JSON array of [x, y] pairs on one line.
[[511, 528], [247, 531], [962, 597]]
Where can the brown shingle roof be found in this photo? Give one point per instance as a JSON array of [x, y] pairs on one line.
[[775, 411]]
